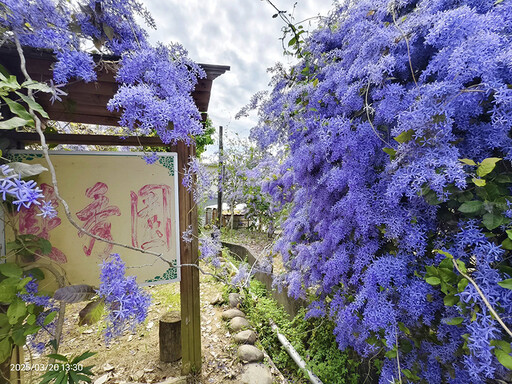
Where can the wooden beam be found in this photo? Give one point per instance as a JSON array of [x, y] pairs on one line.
[[58, 138], [189, 283]]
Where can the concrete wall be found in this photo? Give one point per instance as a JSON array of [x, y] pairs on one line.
[[290, 305]]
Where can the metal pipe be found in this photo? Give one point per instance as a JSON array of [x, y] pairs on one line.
[[294, 354]]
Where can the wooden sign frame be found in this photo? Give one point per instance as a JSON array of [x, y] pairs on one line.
[[116, 197]]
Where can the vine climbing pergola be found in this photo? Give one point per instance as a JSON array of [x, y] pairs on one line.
[[86, 103]]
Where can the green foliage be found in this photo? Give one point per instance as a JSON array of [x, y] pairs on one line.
[[21, 117], [27, 246], [18, 319], [452, 284], [206, 138], [312, 338], [68, 370]]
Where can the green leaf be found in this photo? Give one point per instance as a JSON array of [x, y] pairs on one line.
[[446, 263], [33, 329], [23, 282], [49, 318], [451, 300], [492, 221], [391, 354], [5, 349], [478, 182], [61, 378], [36, 85], [14, 122], [44, 246], [11, 270], [8, 290], [487, 165], [16, 310], [36, 273], [467, 161], [471, 206], [433, 280], [461, 266], [18, 337], [447, 254], [405, 136], [18, 109], [31, 319], [502, 344], [504, 358], [57, 356], [507, 244], [82, 357], [455, 321], [390, 151], [505, 283], [109, 31], [463, 283], [91, 313], [10, 82], [33, 104]]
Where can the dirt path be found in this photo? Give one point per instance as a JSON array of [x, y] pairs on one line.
[[134, 357]]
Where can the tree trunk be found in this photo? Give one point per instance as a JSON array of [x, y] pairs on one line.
[[170, 337]]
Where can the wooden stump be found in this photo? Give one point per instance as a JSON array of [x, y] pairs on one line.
[[169, 333]]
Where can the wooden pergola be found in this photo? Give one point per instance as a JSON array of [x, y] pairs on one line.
[[86, 103]]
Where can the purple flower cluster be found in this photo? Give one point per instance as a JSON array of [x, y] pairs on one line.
[[197, 178], [386, 99], [127, 304], [23, 193], [33, 297], [155, 83], [155, 93]]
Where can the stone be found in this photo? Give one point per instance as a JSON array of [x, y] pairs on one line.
[[238, 323], [249, 353], [217, 300], [231, 313], [137, 376], [175, 380], [256, 374], [234, 300], [246, 337], [102, 379]]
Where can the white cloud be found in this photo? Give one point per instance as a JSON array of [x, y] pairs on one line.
[[238, 33]]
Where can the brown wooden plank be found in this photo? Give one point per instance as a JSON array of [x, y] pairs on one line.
[[85, 118], [189, 284], [57, 138]]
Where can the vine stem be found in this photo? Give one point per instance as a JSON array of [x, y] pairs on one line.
[[407, 44], [484, 298], [367, 108], [398, 357]]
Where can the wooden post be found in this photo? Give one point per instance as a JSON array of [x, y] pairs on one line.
[[221, 178], [189, 284], [169, 337]]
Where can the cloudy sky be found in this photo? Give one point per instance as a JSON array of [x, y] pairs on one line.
[[238, 33]]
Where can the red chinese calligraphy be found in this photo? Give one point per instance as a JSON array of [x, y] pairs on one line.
[[151, 217], [31, 224], [95, 217]]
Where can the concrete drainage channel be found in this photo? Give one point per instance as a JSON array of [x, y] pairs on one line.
[[255, 372]]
